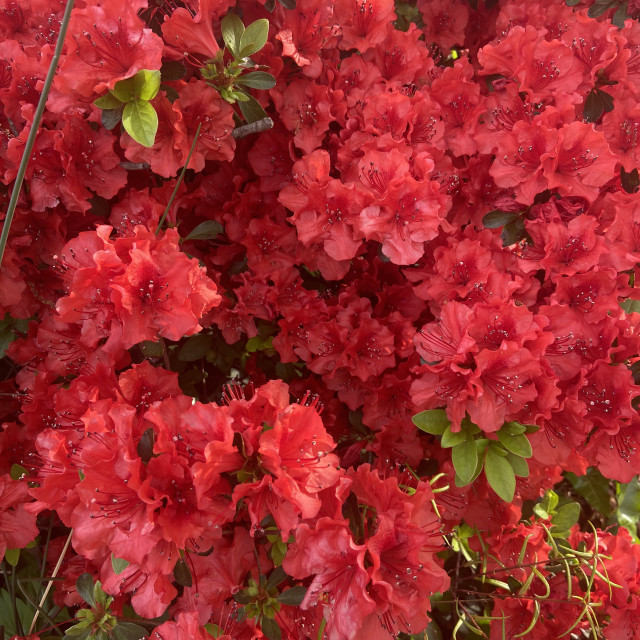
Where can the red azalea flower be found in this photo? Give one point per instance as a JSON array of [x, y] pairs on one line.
[[306, 31], [107, 43], [329, 554], [363, 22], [17, 526], [189, 32]]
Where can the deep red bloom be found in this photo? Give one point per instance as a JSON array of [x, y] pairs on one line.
[[107, 43], [17, 526], [363, 22], [329, 554]]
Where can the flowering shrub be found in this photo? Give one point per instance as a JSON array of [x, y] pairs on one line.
[[319, 319]]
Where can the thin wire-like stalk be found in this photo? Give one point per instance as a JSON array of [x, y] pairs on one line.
[[53, 575], [179, 182], [35, 125]]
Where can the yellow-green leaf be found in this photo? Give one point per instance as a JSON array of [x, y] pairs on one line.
[[499, 474], [140, 121]]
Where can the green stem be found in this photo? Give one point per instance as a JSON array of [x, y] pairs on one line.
[[35, 125], [179, 182]]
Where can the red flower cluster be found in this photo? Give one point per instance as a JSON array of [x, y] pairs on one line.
[[443, 216]]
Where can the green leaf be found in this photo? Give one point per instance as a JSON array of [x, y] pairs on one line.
[[270, 628], [620, 16], [182, 574], [628, 512], [481, 445], [499, 474], [151, 349], [288, 4], [513, 428], [276, 577], [598, 102], [146, 84], [118, 564], [172, 70], [84, 586], [242, 597], [254, 37], [292, 597], [108, 101], [123, 90], [496, 218], [251, 110], [433, 421], [519, 465], [513, 232], [516, 443], [630, 306], [129, 631], [207, 230], [278, 552], [630, 181], [598, 8], [594, 488], [550, 501], [566, 517], [12, 556], [17, 472], [232, 30], [110, 118], [145, 445], [195, 347], [452, 439], [465, 459], [140, 121], [257, 80]]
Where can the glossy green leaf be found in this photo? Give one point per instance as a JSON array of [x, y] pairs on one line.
[[465, 459], [129, 631], [257, 80], [195, 347], [270, 628], [251, 110], [630, 180], [232, 30], [628, 511], [207, 230], [481, 445], [18, 472], [276, 577], [566, 517], [84, 586], [451, 438], [433, 421], [513, 428], [496, 218], [254, 37], [140, 121], [519, 465], [182, 574], [499, 474], [594, 488], [145, 445], [292, 597], [118, 564], [518, 444], [146, 84], [110, 118], [513, 232], [108, 101], [123, 90]]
